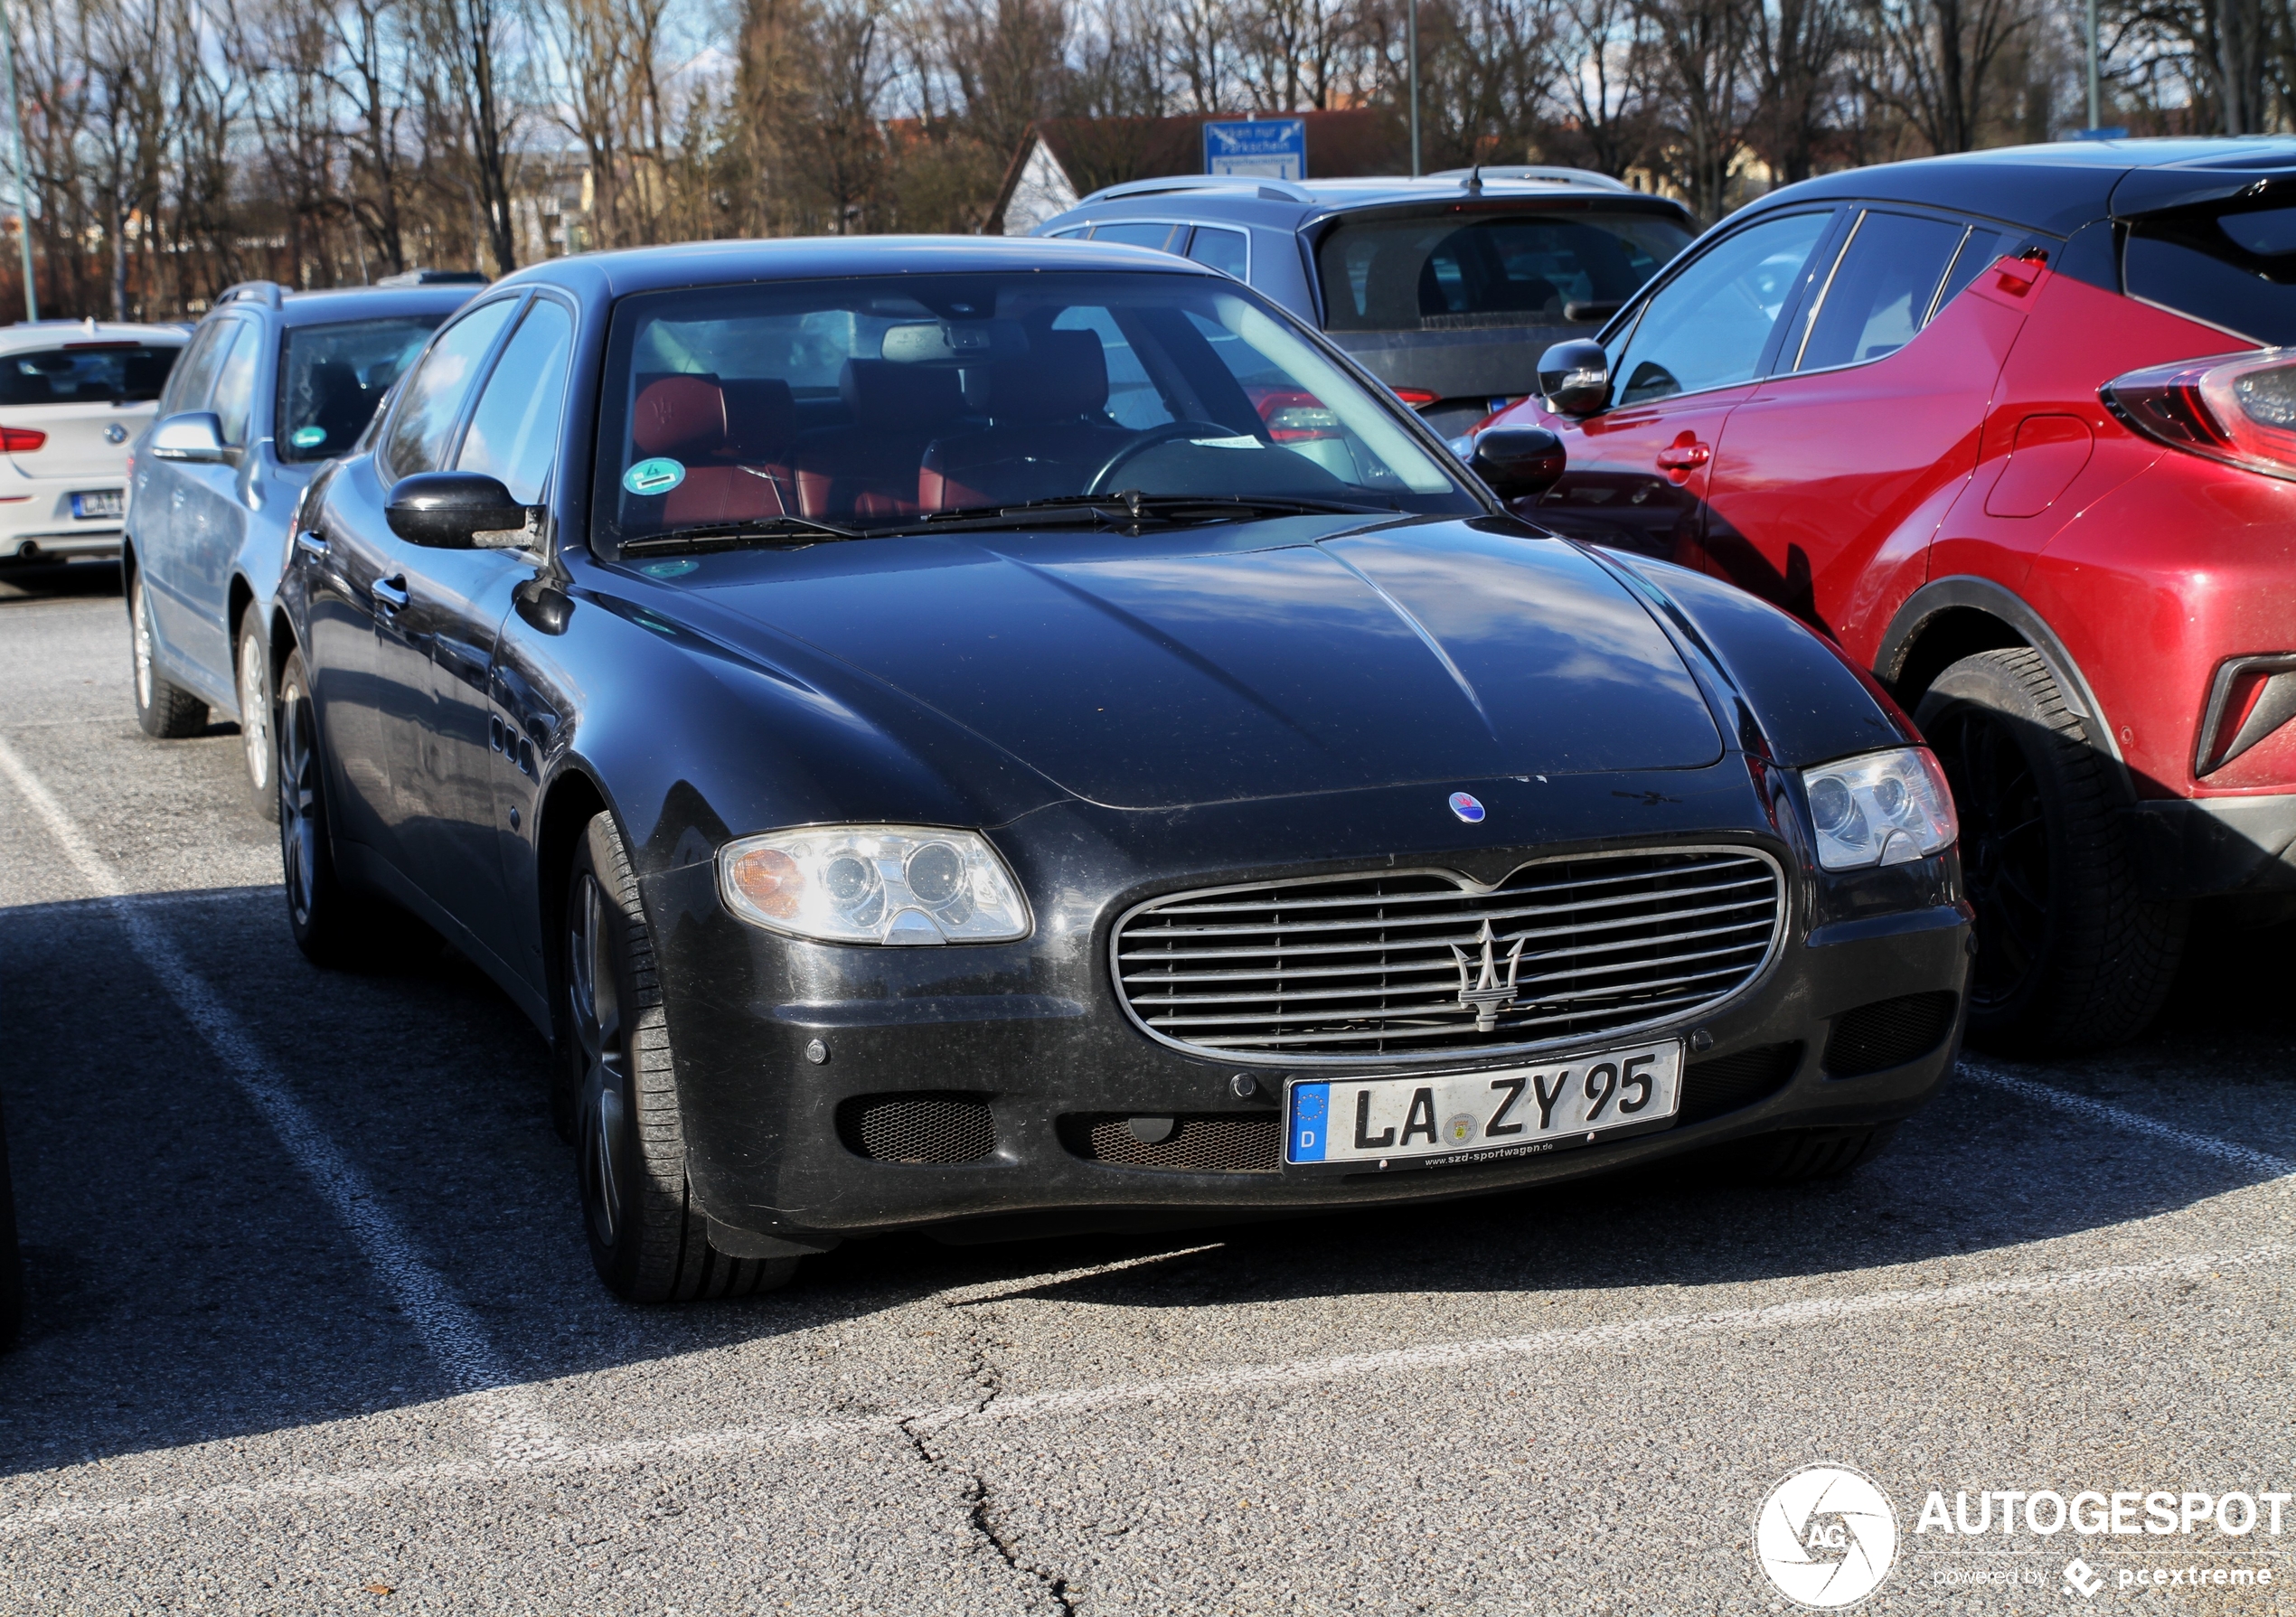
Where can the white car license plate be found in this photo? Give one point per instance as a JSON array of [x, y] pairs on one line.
[[98, 504], [1476, 1117]]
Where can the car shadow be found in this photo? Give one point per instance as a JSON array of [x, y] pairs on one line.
[[186, 1284], [44, 580]]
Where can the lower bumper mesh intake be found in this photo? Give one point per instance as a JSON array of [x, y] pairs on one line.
[[1199, 1142], [921, 1128], [1888, 1033], [1726, 1083]]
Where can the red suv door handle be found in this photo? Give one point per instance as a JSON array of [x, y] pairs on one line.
[[1684, 458]]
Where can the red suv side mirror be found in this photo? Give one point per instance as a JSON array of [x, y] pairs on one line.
[[1575, 377]]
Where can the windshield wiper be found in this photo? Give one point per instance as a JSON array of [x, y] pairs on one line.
[[720, 536], [1131, 507]]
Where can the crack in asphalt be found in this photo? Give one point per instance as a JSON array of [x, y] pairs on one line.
[[976, 1492]]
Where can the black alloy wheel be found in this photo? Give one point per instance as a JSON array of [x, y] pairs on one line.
[[648, 1239], [2070, 955], [333, 924]]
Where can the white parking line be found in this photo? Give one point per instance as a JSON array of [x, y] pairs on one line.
[[1198, 1390], [2134, 1122], [448, 1327]]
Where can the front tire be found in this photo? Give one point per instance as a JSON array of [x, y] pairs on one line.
[[162, 708], [253, 666], [334, 925], [649, 1242], [2069, 956]]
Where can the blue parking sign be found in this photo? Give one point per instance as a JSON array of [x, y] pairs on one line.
[[1273, 148]]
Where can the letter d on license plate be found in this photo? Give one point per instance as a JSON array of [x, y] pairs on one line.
[[1477, 1115]]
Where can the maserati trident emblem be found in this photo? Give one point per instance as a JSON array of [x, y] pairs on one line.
[[1486, 995], [1465, 806]]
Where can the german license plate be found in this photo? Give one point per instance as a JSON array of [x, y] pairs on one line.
[[1478, 1116], [98, 502]]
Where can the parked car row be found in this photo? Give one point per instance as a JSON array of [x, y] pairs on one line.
[[981, 736]]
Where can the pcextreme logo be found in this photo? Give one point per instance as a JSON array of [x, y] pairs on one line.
[[1826, 1536]]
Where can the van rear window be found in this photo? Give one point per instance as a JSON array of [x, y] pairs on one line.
[[2232, 266], [1438, 273]]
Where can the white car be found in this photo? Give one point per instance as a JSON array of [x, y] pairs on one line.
[[74, 394]]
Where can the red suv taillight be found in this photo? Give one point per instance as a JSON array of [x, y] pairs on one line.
[[21, 440], [2240, 409]]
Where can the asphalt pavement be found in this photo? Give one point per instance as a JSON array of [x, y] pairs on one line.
[[310, 1326]]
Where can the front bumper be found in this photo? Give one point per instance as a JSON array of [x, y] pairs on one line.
[[1034, 1029]]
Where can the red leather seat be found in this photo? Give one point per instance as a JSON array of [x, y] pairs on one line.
[[870, 468], [1048, 429], [730, 436]]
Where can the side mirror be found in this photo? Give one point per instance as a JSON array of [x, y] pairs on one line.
[[455, 511], [1517, 461], [195, 436], [1575, 377]]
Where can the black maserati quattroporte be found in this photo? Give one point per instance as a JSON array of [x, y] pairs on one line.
[[1000, 736]]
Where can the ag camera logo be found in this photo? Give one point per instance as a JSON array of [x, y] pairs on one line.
[[1826, 1536]]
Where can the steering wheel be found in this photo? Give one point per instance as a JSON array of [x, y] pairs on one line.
[[1139, 443]]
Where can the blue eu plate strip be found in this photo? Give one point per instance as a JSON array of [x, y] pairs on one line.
[[1310, 1108]]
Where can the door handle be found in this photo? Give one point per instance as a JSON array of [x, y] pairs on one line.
[[1684, 458], [311, 544], [390, 594]]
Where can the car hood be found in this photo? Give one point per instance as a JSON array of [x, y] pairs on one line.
[[1156, 671]]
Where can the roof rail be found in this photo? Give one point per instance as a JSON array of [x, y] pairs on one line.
[[1275, 191], [1547, 173], [434, 277], [266, 293]]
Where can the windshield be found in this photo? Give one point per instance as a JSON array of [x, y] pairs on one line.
[[876, 402], [2230, 264], [333, 376], [1440, 274], [88, 373]]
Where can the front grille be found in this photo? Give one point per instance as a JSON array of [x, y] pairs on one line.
[[1888, 1033], [1200, 1143], [1726, 1083], [1372, 967], [917, 1127]]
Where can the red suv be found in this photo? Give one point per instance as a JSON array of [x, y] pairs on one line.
[[2001, 425]]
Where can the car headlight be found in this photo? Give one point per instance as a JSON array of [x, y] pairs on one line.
[[874, 884], [1884, 808]]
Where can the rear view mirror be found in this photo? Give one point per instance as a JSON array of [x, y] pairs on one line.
[[455, 511], [195, 436], [1517, 461], [1574, 378]]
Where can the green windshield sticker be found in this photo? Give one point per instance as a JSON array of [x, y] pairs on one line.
[[668, 569], [656, 476], [308, 437]]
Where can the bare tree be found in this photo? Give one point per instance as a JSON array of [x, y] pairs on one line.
[[1935, 60], [1700, 54]]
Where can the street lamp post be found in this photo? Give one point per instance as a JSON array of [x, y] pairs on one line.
[[1411, 51], [24, 191], [2096, 101]]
